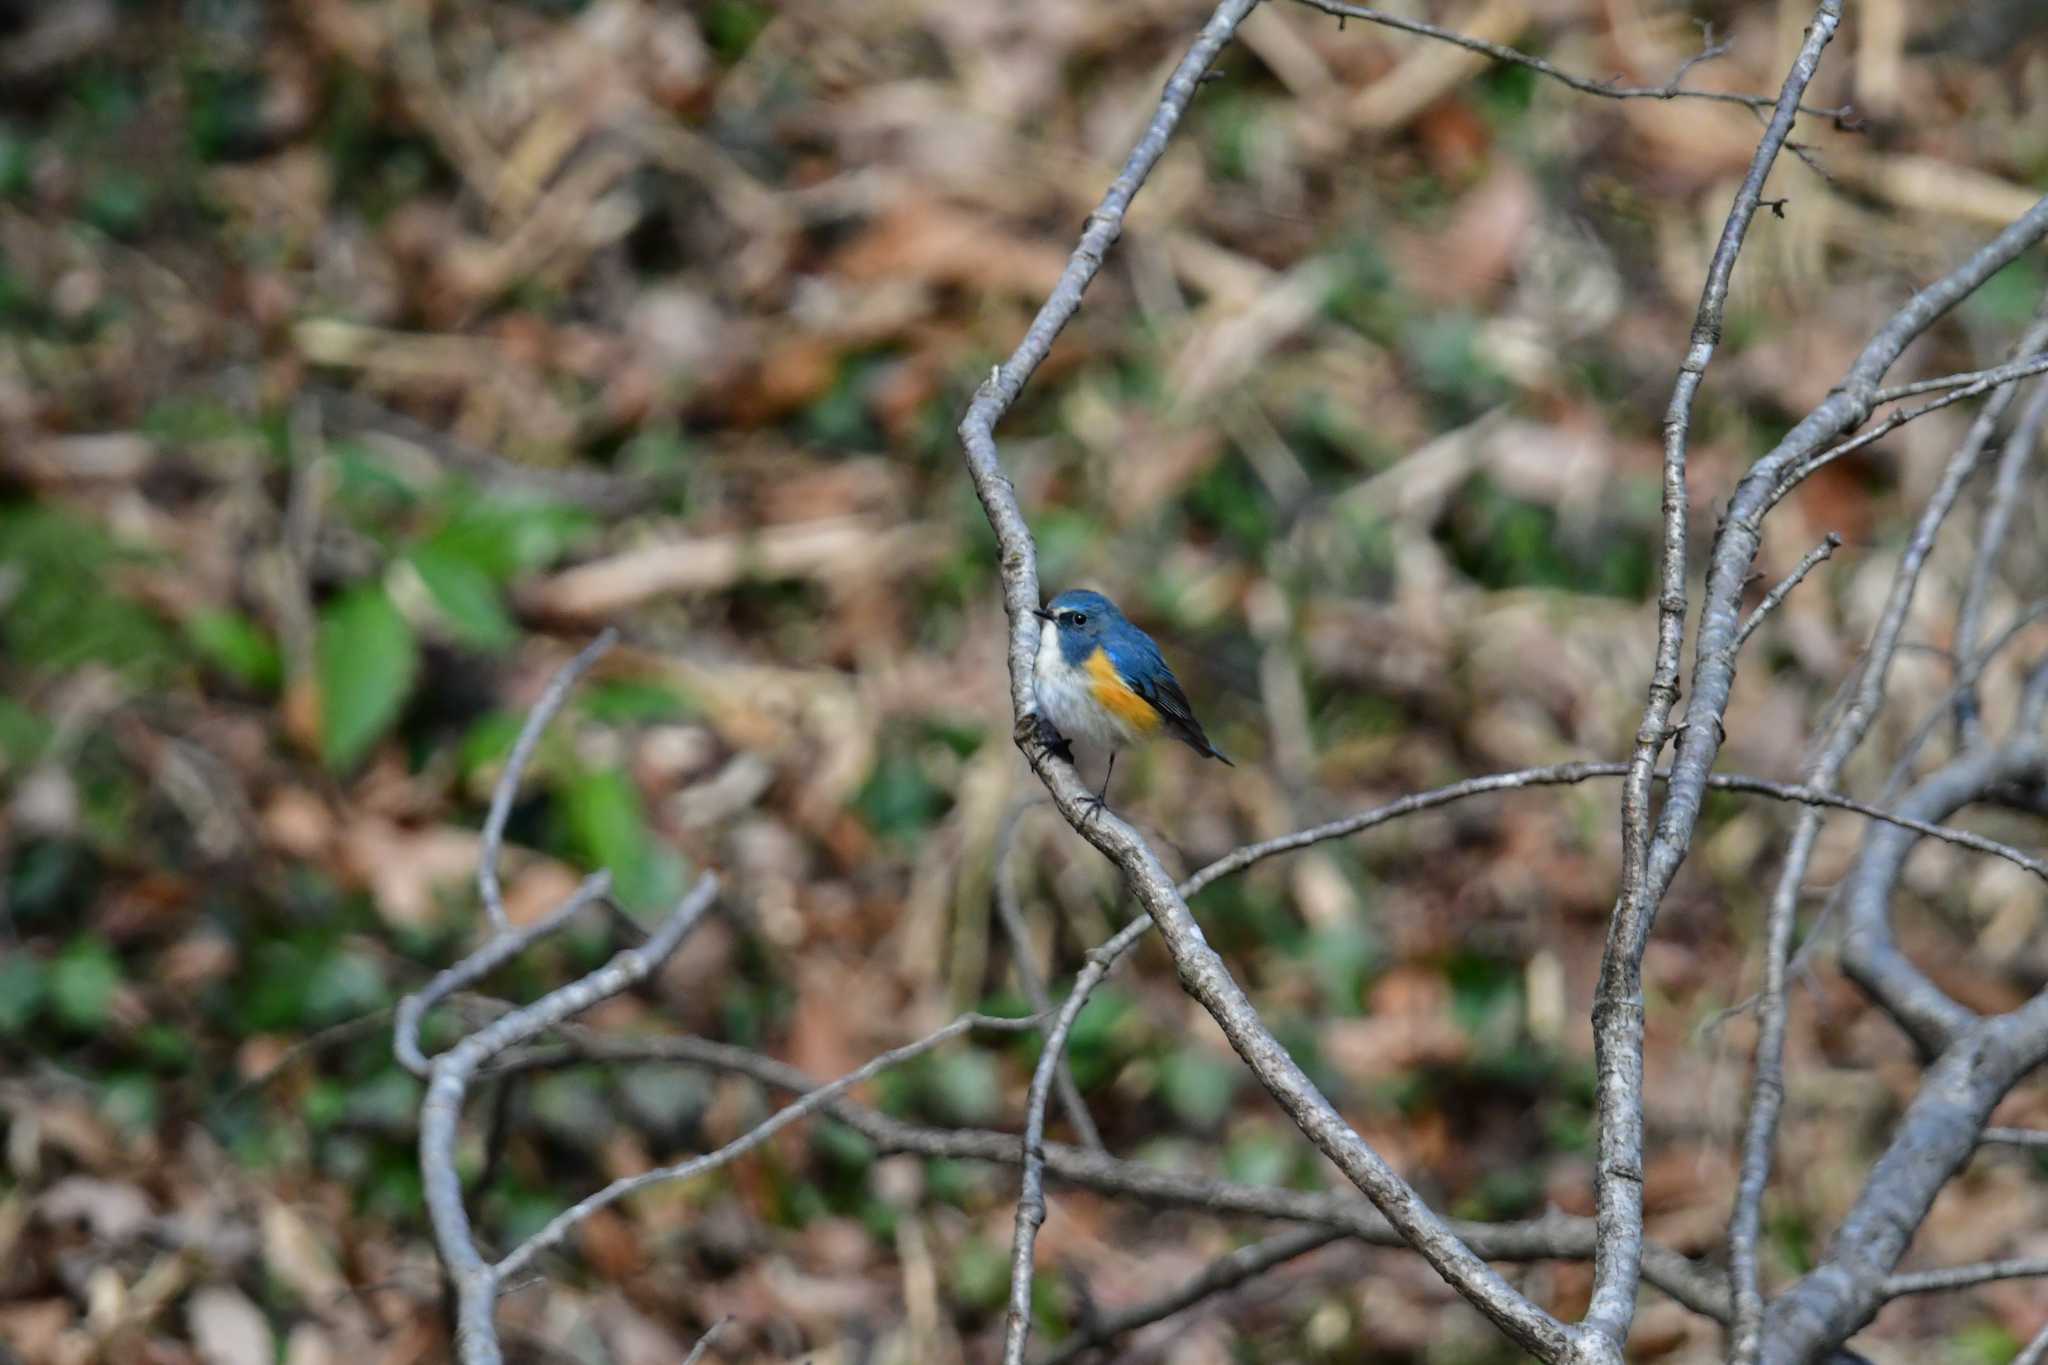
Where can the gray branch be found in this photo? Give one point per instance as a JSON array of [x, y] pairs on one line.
[[1011, 916], [476, 1281], [1976, 1061], [1201, 971], [1964, 1276], [1553, 1236], [1998, 512], [1841, 739], [1220, 1276], [1500, 52], [1647, 865]]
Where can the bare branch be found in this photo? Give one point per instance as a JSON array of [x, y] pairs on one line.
[[1824, 550], [496, 951], [1031, 1194], [1996, 377], [1618, 1007], [2005, 496], [507, 789], [704, 1342], [2035, 1138], [1011, 916], [1869, 954], [448, 1079], [1933, 1138], [1670, 90], [1554, 1236], [1964, 1276], [1568, 774], [1799, 472], [1220, 1276], [564, 1222], [2035, 1351], [1841, 739], [1202, 972], [1976, 1061]]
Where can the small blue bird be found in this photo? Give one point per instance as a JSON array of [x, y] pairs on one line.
[[1101, 680]]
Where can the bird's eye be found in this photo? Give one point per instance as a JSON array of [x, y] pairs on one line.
[[1075, 618]]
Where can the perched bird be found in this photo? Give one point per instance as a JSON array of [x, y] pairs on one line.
[[1101, 681]]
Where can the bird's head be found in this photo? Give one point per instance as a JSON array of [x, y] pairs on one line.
[[1081, 616]]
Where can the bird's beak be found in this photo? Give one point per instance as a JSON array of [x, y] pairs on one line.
[[1041, 613]]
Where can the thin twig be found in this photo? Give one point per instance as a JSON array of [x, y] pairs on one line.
[[1554, 1236], [1824, 550], [1964, 1276], [1647, 863], [704, 1342], [1500, 52], [1998, 513], [1031, 1189], [1969, 674], [2035, 1138], [497, 950], [2035, 1352], [507, 789], [1843, 736], [1202, 972], [1568, 774], [1011, 915], [564, 1222], [1220, 1276], [477, 1282], [1800, 472], [1995, 377]]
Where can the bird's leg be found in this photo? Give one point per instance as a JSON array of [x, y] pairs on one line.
[[1097, 802]]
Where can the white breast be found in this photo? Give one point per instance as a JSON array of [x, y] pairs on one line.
[[1067, 698]]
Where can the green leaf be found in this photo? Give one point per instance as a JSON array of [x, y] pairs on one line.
[[367, 661], [630, 701], [465, 596], [82, 983], [608, 826], [344, 985], [966, 1087], [23, 984], [1198, 1087], [504, 537], [238, 647]]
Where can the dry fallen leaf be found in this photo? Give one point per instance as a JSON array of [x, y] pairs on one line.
[[227, 1329]]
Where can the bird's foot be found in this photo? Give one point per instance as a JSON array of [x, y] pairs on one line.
[[1036, 727], [1092, 806]]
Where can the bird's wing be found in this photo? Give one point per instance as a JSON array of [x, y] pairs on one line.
[[1138, 660]]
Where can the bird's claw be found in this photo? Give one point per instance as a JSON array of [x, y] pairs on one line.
[[1036, 727], [1091, 807]]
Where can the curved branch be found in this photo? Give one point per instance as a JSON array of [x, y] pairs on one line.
[[1648, 864], [1220, 1276], [1202, 972], [507, 788], [2005, 496], [564, 1222], [1553, 1236], [1976, 1062], [1870, 955], [1500, 52], [1964, 1276], [1843, 736]]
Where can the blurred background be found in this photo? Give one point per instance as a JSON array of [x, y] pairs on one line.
[[359, 359]]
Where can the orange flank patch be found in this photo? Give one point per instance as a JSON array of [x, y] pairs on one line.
[[1115, 697]]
